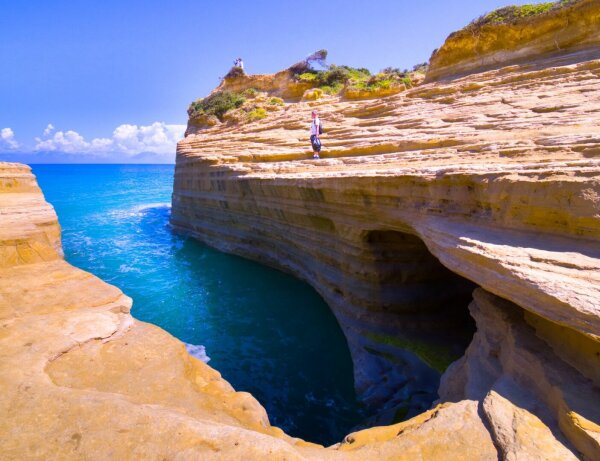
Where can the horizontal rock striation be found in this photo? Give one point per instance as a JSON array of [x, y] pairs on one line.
[[82, 379], [571, 27], [491, 180], [29, 230]]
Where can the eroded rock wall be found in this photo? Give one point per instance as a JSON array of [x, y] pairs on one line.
[[29, 230], [537, 405], [80, 378], [489, 180]]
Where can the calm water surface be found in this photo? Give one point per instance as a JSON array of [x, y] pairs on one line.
[[266, 332]]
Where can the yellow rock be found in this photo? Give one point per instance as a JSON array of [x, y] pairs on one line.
[[576, 26], [312, 94], [82, 379], [354, 93], [493, 177]]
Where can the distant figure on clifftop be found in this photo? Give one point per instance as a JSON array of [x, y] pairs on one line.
[[316, 129], [239, 63]]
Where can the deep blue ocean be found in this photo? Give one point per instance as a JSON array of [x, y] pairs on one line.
[[266, 332]]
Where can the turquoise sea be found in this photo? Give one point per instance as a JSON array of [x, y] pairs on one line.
[[266, 332]]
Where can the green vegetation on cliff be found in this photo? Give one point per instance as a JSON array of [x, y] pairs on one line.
[[512, 14], [243, 102], [332, 81], [336, 78], [437, 357], [216, 104], [257, 114], [233, 107]]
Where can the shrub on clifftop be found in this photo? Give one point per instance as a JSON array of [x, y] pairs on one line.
[[235, 72], [511, 14], [216, 104], [332, 81], [389, 81], [257, 114]]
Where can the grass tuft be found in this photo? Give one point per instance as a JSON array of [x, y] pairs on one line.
[[275, 101], [437, 357], [257, 114]]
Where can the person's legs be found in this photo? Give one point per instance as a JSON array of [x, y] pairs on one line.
[[316, 145]]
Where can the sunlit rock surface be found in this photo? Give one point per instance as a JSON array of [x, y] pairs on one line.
[[81, 379], [476, 47], [488, 180]]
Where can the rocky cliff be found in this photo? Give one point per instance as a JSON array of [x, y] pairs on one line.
[[495, 40], [80, 378], [477, 195], [489, 180]]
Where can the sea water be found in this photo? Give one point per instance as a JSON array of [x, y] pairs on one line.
[[265, 331]]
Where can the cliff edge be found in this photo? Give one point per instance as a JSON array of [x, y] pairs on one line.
[[82, 379]]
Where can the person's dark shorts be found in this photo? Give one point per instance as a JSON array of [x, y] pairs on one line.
[[316, 143]]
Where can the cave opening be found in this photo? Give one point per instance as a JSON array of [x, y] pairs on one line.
[[418, 323]]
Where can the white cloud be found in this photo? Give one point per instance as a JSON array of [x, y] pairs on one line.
[[49, 129], [7, 140], [69, 141], [159, 138]]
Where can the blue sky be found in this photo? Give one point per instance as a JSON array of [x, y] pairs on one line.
[[106, 71]]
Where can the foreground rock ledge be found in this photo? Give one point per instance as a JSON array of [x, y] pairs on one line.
[[82, 379]]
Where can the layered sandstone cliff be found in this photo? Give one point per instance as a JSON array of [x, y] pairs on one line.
[[569, 25], [490, 180], [480, 194], [80, 378]]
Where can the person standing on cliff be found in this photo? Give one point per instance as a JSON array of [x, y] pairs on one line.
[[316, 129]]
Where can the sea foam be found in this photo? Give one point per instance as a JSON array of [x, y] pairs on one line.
[[197, 351]]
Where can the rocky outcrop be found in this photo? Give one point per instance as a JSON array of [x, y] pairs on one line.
[[483, 192], [29, 230], [80, 378], [491, 180], [574, 26], [538, 405]]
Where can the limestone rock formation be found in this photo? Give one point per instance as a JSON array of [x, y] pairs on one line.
[[479, 194], [29, 230], [488, 180], [570, 24], [80, 378]]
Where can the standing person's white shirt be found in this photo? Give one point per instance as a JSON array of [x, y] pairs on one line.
[[314, 126]]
